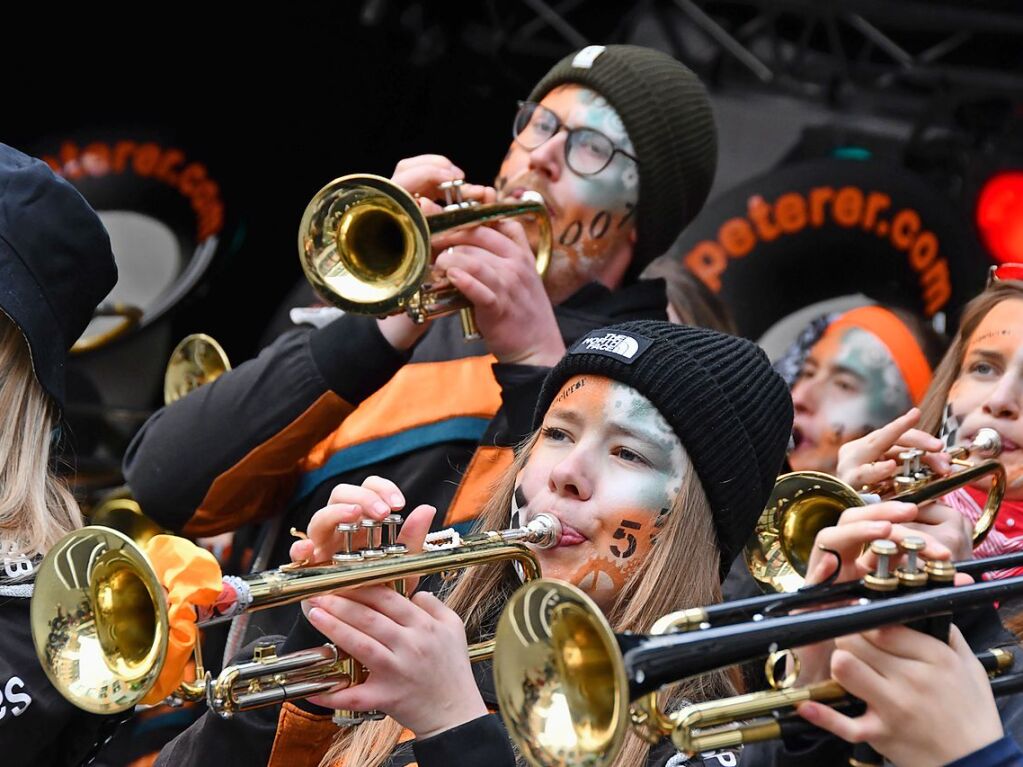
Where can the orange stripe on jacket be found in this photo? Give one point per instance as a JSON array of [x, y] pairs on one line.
[[487, 467], [419, 394], [262, 482], [302, 738]]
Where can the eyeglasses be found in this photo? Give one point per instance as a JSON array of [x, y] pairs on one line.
[[1002, 272], [587, 151]]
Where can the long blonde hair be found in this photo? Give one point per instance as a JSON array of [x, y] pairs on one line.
[[36, 508], [933, 407], [685, 560]]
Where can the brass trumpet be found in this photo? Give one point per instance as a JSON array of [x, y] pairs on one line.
[[99, 614], [804, 502], [364, 245], [197, 360], [565, 680]]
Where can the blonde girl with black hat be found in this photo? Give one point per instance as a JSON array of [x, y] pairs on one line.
[[655, 446], [55, 267]]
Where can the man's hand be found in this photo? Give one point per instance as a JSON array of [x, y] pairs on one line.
[[494, 267]]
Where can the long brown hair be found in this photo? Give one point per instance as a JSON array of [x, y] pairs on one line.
[[685, 560], [933, 406], [36, 508]]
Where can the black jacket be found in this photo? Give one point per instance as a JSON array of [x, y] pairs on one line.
[[227, 453], [249, 737], [37, 725]]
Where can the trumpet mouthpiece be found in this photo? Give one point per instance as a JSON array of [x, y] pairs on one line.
[[987, 443], [545, 531]]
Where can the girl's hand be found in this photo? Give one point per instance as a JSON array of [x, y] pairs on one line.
[[415, 651], [928, 703]]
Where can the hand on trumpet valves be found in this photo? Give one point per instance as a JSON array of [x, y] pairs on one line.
[[941, 529], [928, 703], [375, 499], [415, 651], [874, 459], [494, 267], [423, 175]]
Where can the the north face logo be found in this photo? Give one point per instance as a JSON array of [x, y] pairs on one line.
[[615, 343]]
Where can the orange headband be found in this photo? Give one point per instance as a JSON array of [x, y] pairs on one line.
[[905, 351]]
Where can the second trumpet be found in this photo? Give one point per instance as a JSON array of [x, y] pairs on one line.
[[364, 245]]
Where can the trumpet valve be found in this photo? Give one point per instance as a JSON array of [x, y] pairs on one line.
[[390, 543], [912, 468], [374, 529], [347, 554], [453, 194], [911, 574], [940, 572], [882, 578]]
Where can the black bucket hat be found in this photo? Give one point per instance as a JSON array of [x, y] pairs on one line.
[[55, 263]]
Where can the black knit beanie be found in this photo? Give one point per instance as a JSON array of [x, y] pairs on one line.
[[730, 409], [667, 115]]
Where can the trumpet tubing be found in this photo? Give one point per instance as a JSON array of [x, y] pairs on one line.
[[100, 626], [803, 503], [564, 678], [364, 245]]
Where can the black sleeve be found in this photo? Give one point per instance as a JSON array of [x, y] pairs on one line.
[[180, 452], [246, 738], [37, 725], [482, 742], [520, 390]]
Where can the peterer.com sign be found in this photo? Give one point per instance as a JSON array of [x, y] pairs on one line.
[[824, 228]]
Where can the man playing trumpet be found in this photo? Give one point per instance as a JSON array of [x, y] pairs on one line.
[[621, 143]]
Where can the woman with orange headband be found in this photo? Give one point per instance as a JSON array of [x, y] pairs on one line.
[[978, 384], [851, 374]]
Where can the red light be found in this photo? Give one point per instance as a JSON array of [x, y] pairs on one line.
[[1000, 215]]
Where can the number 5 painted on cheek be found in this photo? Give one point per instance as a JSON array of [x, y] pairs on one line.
[[620, 534]]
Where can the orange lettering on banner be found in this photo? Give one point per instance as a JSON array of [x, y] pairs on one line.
[[122, 151], [790, 212], [147, 160], [707, 261], [819, 197], [70, 167], [848, 206], [737, 237], [905, 225], [96, 159], [760, 212], [171, 159], [924, 251], [937, 287], [876, 202], [146, 157], [190, 178]]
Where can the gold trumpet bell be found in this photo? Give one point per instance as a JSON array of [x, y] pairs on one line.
[[802, 503], [364, 244], [560, 679], [197, 360], [99, 622]]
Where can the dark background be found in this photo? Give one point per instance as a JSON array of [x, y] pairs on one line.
[[278, 99]]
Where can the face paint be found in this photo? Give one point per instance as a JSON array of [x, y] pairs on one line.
[[609, 466], [591, 216], [989, 388], [849, 386]]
